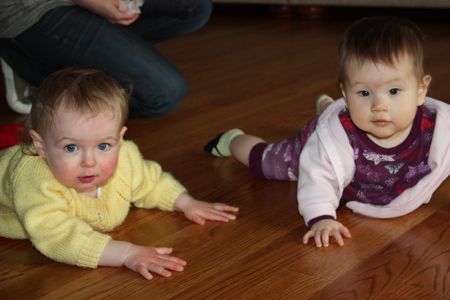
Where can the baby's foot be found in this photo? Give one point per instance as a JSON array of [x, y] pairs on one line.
[[220, 145], [322, 103]]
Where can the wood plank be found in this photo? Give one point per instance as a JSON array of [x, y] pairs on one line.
[[413, 266]]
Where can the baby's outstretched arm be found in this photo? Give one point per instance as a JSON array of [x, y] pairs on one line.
[[199, 211], [141, 259], [323, 229]]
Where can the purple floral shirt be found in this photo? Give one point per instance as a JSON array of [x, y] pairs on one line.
[[384, 173]]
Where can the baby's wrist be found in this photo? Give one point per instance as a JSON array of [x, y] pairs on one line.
[[182, 201], [319, 218]]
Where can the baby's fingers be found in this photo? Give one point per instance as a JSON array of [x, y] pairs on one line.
[[142, 269], [318, 238], [307, 236], [160, 266], [202, 217], [325, 237], [172, 262], [218, 215], [217, 212], [340, 233], [346, 232], [164, 250], [338, 237], [224, 207], [196, 218], [155, 268]]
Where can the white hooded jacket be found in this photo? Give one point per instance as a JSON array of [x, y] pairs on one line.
[[327, 166]]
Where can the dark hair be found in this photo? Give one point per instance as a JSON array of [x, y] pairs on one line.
[[380, 39]]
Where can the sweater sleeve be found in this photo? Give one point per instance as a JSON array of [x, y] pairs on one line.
[[151, 186], [50, 223]]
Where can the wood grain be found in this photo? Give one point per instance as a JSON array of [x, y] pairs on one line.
[[260, 74]]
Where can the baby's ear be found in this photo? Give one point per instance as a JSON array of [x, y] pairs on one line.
[[423, 89], [341, 86], [38, 143], [122, 132]]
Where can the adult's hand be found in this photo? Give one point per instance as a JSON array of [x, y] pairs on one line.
[[108, 9]]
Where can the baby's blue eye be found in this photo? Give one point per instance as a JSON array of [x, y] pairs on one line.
[[363, 93], [104, 146], [394, 91], [71, 148]]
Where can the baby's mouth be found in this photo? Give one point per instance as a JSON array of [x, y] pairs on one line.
[[381, 122], [86, 179]]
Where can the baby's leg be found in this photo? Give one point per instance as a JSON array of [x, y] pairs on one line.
[[220, 145], [277, 161], [280, 160], [242, 145], [234, 143], [272, 161]]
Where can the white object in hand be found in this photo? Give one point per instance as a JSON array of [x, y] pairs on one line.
[[131, 6]]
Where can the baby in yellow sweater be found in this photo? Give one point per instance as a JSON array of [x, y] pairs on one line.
[[77, 179]]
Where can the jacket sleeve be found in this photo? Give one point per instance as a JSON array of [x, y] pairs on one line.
[[151, 186], [51, 225], [326, 167], [317, 193]]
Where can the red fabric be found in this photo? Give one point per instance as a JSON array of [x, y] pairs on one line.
[[10, 135]]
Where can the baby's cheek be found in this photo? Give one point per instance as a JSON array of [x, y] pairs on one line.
[[109, 167], [359, 121]]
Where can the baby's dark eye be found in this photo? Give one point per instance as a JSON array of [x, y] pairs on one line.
[[71, 148], [104, 146], [363, 93], [394, 91]]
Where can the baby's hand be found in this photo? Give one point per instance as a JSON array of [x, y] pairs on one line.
[[148, 259], [199, 211], [322, 230]]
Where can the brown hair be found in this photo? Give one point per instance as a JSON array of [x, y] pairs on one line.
[[381, 39], [88, 91]]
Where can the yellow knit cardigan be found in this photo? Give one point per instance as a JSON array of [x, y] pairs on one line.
[[66, 226]]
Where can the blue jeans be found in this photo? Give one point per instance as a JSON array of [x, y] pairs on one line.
[[73, 36]]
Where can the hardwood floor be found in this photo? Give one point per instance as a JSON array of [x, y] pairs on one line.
[[260, 74]]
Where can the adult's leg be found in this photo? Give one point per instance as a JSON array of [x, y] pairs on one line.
[[162, 19], [73, 36], [26, 68]]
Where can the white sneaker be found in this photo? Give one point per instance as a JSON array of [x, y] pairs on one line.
[[17, 90]]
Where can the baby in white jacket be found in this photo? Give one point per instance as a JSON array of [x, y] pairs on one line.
[[383, 148]]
